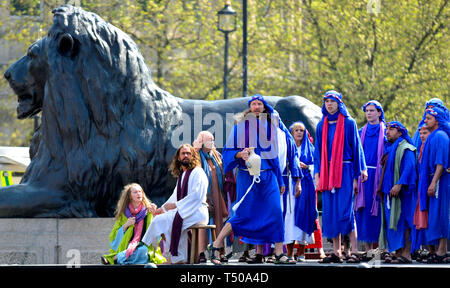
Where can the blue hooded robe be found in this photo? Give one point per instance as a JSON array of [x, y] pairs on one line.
[[433, 102], [337, 206], [435, 152], [407, 177], [259, 218], [367, 225], [305, 209]]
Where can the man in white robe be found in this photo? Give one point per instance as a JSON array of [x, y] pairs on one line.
[[192, 208]]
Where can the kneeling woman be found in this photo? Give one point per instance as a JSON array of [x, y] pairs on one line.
[[133, 216]]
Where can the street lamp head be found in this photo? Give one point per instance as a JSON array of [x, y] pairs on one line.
[[226, 19]]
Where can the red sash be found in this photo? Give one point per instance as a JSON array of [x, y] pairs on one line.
[[332, 178]]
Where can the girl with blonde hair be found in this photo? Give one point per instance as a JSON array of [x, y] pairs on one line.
[[133, 215]]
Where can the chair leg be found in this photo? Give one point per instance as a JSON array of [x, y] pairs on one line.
[[213, 234], [194, 245]]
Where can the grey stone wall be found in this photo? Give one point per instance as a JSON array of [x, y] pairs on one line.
[[54, 241]]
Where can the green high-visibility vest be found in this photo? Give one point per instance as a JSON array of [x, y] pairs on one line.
[[6, 178]]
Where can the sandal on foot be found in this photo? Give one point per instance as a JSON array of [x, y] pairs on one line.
[[279, 261], [422, 255], [384, 254], [257, 259], [431, 259], [401, 260], [104, 260], [369, 255], [292, 260], [437, 259], [270, 259], [389, 258], [223, 259], [243, 259], [301, 259], [446, 259], [332, 258], [354, 258], [212, 254], [202, 258]]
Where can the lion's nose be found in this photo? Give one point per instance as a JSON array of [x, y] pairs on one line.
[[7, 75]]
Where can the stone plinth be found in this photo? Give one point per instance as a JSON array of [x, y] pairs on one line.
[[54, 241]]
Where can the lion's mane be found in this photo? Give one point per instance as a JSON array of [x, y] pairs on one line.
[[103, 118]]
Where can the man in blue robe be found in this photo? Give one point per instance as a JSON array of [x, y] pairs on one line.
[[258, 216], [338, 162], [434, 181], [398, 188], [372, 136], [433, 102]]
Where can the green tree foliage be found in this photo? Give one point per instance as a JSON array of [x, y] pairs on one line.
[[396, 53], [393, 51]]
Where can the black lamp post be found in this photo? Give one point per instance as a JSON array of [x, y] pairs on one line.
[[226, 23], [244, 48]]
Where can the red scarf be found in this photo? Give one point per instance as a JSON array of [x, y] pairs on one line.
[[332, 178], [137, 230], [420, 155]]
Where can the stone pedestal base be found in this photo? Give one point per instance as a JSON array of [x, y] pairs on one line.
[[54, 241]]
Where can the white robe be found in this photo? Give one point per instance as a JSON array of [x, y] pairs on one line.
[[192, 208], [291, 231]]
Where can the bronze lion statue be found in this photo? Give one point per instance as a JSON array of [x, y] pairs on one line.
[[104, 121]]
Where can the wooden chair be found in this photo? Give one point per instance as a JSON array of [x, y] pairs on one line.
[[194, 244]]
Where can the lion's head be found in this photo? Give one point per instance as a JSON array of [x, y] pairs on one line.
[[103, 118], [27, 78]]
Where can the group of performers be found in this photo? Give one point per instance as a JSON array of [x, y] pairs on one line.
[[378, 186]]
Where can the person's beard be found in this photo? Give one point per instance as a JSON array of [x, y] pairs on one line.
[[185, 162]]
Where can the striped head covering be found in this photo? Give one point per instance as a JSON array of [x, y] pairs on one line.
[[400, 127], [441, 117], [378, 106], [336, 96]]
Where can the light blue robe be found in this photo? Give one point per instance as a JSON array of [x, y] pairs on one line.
[[139, 256]]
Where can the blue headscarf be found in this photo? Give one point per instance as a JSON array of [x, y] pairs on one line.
[[336, 96], [399, 126], [378, 106], [442, 117], [437, 103], [259, 97], [434, 102], [391, 148]]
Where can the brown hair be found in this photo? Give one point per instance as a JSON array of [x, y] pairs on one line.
[[124, 199], [175, 166]]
